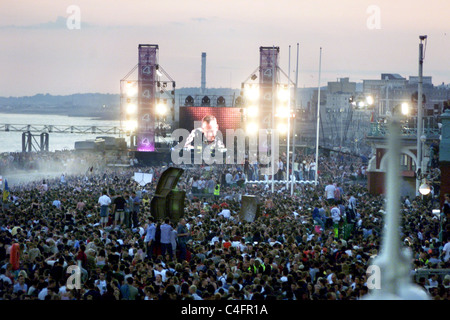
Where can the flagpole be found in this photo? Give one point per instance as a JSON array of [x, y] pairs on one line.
[[318, 119], [273, 120], [288, 121], [293, 124]]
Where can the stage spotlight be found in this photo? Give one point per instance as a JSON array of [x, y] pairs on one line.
[[239, 101], [131, 89], [252, 111], [161, 109], [131, 108], [157, 71], [221, 101], [189, 101], [252, 128], [252, 93], [206, 101], [282, 128], [282, 112], [130, 125], [283, 94]]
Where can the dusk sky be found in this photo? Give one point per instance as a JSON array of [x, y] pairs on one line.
[[44, 50]]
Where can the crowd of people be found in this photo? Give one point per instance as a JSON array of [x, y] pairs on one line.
[[92, 236]]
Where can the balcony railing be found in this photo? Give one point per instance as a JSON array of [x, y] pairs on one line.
[[381, 130]]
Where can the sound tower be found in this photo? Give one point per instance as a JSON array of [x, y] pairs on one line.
[[168, 202], [148, 60], [268, 68], [250, 208]]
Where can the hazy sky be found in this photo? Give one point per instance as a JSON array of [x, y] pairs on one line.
[[44, 51]]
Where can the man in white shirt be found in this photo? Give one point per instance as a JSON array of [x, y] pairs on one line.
[[296, 170], [312, 170], [42, 294], [446, 250], [161, 271], [56, 203], [352, 202], [229, 178], [226, 213], [63, 179], [101, 283], [280, 169], [104, 201], [407, 202], [329, 193]]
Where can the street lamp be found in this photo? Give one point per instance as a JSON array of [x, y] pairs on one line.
[[405, 108], [424, 188]]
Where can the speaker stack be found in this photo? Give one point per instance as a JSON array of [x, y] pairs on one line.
[[168, 202]]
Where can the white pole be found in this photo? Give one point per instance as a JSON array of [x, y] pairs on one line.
[[391, 241], [293, 125], [419, 113], [288, 121], [273, 120], [393, 261], [318, 118]]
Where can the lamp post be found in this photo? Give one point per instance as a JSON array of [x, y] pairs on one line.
[[288, 120], [419, 110], [424, 188]]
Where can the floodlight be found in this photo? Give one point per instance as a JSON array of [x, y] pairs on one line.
[[282, 112], [283, 94], [252, 93], [252, 127], [131, 108], [161, 109], [282, 128], [130, 125], [131, 89], [252, 111]]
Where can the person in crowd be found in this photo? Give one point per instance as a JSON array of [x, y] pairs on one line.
[[104, 201], [166, 243]]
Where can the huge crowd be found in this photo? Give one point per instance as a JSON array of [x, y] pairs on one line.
[[92, 235]]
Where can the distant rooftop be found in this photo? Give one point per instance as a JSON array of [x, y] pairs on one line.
[[391, 76]]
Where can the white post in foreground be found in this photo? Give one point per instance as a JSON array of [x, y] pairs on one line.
[[392, 265], [272, 147]]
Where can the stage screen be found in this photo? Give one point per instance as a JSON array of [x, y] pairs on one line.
[[227, 118]]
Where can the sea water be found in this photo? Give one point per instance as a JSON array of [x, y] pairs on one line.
[[12, 141]]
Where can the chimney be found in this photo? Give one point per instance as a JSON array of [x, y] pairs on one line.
[[203, 87]]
